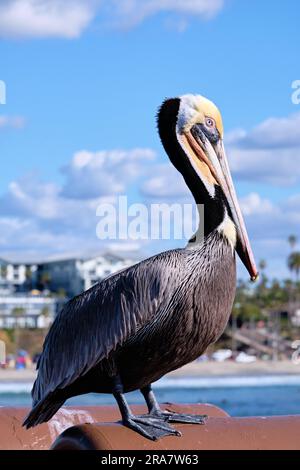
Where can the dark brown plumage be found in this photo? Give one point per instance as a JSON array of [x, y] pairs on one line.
[[135, 326]]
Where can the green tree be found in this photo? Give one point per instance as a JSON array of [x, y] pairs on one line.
[[247, 306], [28, 274], [45, 279], [247, 311], [292, 241], [3, 271], [45, 312], [61, 293], [17, 312], [262, 265], [294, 263], [277, 295]]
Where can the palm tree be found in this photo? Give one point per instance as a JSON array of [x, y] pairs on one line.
[[292, 241], [262, 266], [294, 263]]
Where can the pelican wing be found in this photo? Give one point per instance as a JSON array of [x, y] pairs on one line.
[[95, 323]]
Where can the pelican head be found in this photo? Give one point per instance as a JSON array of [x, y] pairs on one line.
[[191, 130]]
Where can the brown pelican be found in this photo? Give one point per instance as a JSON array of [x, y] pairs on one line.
[[133, 327]]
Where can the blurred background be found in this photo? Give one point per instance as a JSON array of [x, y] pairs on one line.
[[81, 82]]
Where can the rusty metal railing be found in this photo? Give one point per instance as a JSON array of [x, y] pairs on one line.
[[79, 428]]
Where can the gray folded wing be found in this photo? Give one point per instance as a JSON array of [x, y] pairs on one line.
[[95, 323]]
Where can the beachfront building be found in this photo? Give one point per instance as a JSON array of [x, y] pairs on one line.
[[73, 276], [6, 288], [68, 277], [24, 300], [28, 310], [17, 275]]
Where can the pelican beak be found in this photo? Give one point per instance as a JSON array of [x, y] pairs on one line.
[[214, 156]]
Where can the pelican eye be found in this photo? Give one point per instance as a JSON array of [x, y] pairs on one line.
[[210, 122]]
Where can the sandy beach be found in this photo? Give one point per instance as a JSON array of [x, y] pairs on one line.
[[230, 368], [195, 369]]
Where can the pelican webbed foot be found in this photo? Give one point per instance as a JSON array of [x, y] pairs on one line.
[[150, 427], [168, 415], [172, 417]]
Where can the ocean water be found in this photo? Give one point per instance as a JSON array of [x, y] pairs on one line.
[[239, 396]]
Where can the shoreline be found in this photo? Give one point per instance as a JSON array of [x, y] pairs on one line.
[[192, 370], [234, 369]]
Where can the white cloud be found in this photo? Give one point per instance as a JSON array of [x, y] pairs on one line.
[[36, 221], [270, 153], [40, 218], [26, 239], [166, 183], [269, 221], [128, 13], [14, 122], [94, 174], [45, 18], [272, 133], [70, 18], [32, 199], [269, 226], [253, 204]]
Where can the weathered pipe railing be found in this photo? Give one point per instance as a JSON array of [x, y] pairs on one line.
[[87, 428]]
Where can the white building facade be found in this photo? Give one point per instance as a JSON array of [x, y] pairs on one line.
[[75, 275], [32, 295], [16, 274], [27, 311]]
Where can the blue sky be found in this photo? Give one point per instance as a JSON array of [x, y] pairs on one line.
[[89, 75]]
